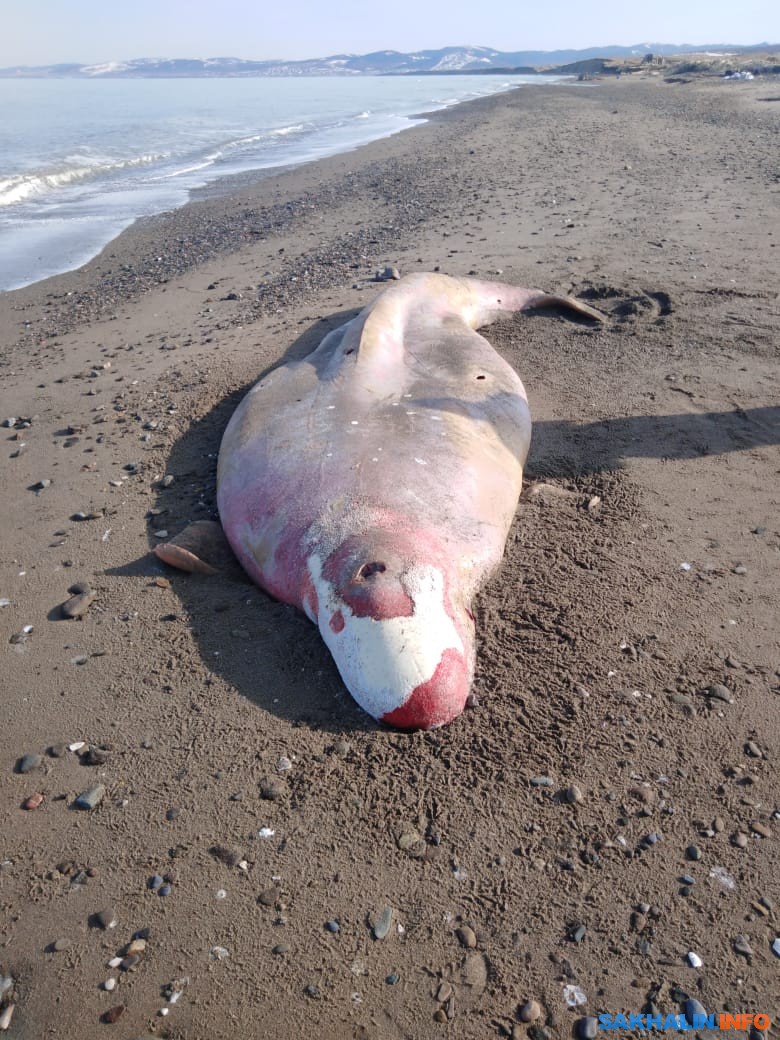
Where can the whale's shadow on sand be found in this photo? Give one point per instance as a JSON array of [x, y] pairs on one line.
[[269, 652]]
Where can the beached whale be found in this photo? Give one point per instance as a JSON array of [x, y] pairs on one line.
[[373, 483]]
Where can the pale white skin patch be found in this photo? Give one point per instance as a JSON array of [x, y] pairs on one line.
[[383, 662]]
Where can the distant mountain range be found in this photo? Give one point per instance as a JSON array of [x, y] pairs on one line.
[[444, 60]]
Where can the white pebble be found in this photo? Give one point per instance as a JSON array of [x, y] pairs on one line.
[[694, 959], [685, 566], [109, 984], [218, 953], [283, 764], [266, 832], [5, 602], [174, 997], [115, 962], [220, 893], [163, 1012], [76, 745]]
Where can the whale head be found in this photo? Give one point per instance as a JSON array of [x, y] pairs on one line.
[[392, 620]]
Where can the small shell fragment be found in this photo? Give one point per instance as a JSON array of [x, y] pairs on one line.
[[573, 996]]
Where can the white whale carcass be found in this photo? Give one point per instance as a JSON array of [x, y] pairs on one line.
[[373, 483]]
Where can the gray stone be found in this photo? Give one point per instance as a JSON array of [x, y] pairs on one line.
[[106, 919], [77, 606], [719, 692], [383, 922], [588, 1028], [388, 274], [91, 798], [692, 1008], [27, 763], [466, 936], [529, 1012]]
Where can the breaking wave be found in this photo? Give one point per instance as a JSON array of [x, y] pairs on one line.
[[23, 186]]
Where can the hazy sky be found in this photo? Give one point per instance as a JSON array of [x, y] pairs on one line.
[[37, 32]]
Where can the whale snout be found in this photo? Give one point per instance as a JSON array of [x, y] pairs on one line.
[[404, 649], [437, 701]]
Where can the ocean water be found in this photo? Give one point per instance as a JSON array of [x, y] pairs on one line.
[[80, 160]]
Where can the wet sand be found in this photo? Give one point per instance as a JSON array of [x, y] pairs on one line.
[[598, 773]]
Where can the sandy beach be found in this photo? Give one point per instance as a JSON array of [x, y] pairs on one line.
[[609, 807]]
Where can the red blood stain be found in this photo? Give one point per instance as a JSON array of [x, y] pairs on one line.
[[439, 700], [337, 622]]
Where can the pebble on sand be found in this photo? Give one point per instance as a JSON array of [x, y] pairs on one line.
[[383, 923], [231, 857], [588, 1028], [33, 801], [77, 606], [466, 936], [719, 692], [91, 798], [529, 1012], [387, 274], [27, 763], [6, 1016], [106, 919], [113, 1014], [693, 1007]]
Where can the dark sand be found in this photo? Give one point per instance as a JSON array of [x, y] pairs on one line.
[[655, 202]]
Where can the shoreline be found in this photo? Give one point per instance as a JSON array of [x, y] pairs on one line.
[[269, 196], [624, 735], [220, 185]]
